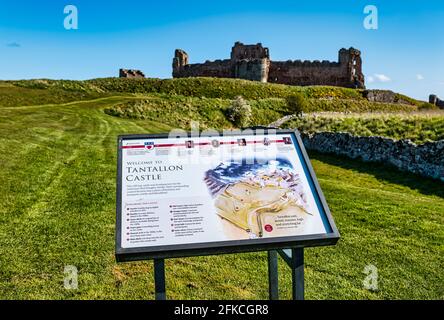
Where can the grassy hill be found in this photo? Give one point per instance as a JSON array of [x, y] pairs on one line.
[[179, 101], [12, 95], [192, 87], [57, 195], [196, 87]]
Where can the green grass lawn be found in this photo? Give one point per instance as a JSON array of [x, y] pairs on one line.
[[57, 196]]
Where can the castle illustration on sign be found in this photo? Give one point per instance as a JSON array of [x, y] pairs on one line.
[[252, 62]]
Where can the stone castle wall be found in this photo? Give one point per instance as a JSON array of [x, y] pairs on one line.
[[309, 73], [433, 99], [131, 73], [252, 62], [426, 159], [218, 69]]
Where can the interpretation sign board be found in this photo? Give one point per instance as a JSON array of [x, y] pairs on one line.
[[189, 195]]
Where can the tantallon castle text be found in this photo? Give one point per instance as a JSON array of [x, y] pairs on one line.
[[252, 62]]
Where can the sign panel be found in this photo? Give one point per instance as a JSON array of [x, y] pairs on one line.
[[181, 196]]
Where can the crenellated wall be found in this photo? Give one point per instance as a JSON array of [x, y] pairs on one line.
[[131, 73], [304, 73], [218, 69], [252, 62]]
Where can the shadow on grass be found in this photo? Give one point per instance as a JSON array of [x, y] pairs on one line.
[[384, 172]]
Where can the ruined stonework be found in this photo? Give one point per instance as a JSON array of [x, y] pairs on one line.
[[384, 96], [252, 62], [433, 99], [131, 73]]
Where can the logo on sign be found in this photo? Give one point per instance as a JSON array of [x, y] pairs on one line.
[[149, 145]]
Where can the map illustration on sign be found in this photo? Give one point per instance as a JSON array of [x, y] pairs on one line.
[[205, 192], [261, 198]]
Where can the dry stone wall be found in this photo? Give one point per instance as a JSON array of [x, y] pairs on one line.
[[426, 159]]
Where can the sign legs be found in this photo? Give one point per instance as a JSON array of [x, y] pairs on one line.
[[294, 258], [159, 279], [273, 282], [297, 273]]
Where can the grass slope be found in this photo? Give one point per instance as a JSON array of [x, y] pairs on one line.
[[57, 193], [179, 111], [12, 95], [326, 98], [192, 87]]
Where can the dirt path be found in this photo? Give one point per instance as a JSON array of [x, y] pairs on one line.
[[281, 121]]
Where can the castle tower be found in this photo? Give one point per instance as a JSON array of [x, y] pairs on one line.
[[350, 59], [250, 62], [180, 60], [241, 51]]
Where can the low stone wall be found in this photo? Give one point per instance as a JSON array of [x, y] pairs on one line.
[[426, 159], [384, 96], [433, 99]]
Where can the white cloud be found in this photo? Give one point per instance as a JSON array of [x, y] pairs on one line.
[[13, 45], [382, 77], [419, 77], [377, 77]]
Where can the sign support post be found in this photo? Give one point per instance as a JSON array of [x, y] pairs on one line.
[[159, 279], [297, 273], [294, 258], [273, 280], [295, 261]]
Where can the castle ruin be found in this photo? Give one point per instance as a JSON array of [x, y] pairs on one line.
[[252, 62], [433, 99], [131, 73]]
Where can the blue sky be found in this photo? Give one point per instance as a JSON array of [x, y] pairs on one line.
[[405, 54]]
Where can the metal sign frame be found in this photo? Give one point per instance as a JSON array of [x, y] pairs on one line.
[[231, 246]]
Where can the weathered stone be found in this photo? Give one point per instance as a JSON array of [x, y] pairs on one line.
[[386, 96], [426, 159], [130, 73], [433, 99], [252, 62]]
